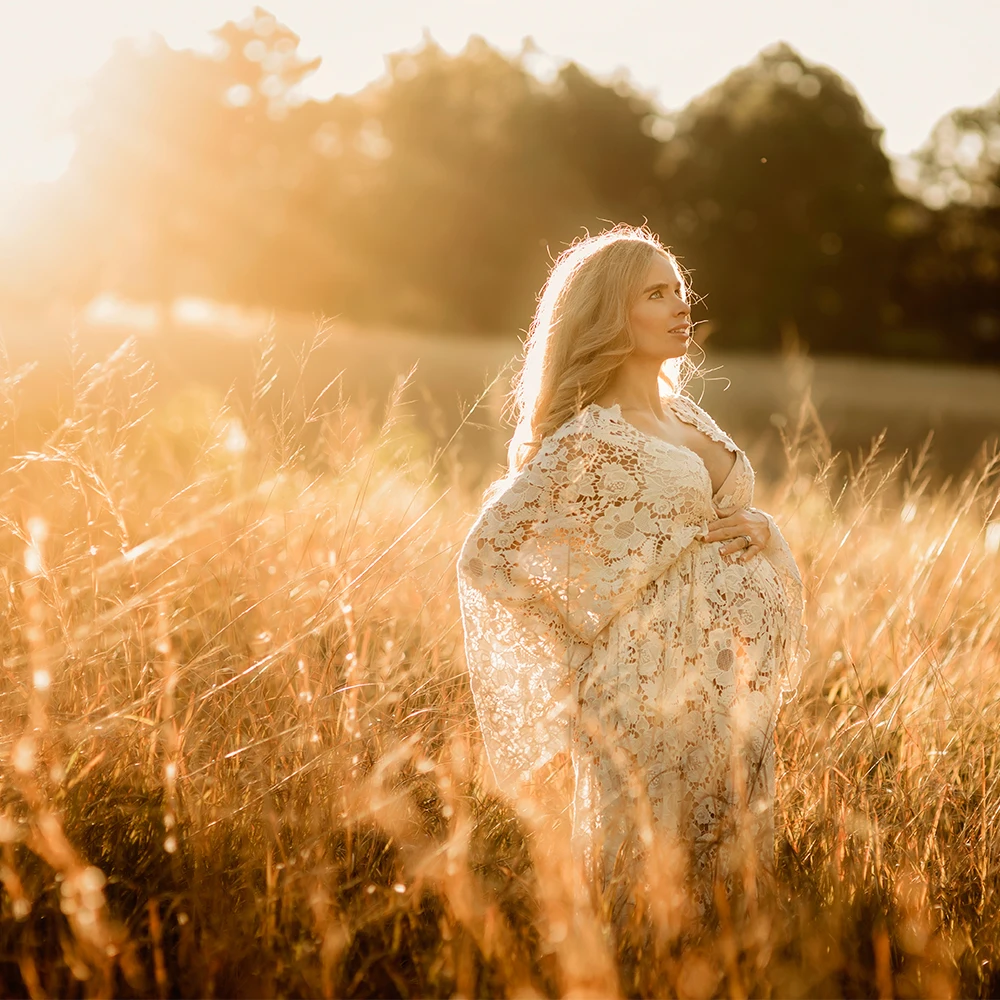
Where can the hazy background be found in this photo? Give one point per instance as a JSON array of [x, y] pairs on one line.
[[239, 753], [195, 172]]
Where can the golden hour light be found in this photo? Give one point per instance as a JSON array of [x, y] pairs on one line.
[[499, 499]]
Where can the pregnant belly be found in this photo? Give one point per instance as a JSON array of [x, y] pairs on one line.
[[748, 595]]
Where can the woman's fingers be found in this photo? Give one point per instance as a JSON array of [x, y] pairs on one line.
[[738, 545], [725, 522], [727, 531], [737, 526]]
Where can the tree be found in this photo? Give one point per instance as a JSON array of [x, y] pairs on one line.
[[605, 133], [960, 162], [184, 160], [952, 266], [436, 196], [778, 191], [469, 189]]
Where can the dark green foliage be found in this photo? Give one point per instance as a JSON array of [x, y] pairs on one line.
[[435, 197]]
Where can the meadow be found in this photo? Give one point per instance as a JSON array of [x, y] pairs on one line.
[[238, 751]]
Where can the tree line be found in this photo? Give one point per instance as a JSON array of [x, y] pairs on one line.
[[435, 197]]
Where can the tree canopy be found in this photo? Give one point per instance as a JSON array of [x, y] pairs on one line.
[[437, 195]]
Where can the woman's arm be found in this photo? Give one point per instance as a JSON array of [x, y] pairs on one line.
[[590, 522], [568, 545]]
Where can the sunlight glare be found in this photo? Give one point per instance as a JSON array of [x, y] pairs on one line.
[[236, 438], [110, 310], [993, 537], [23, 757], [38, 530], [60, 46]]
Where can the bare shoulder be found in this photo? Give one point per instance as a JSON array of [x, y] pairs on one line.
[[683, 401], [693, 411]]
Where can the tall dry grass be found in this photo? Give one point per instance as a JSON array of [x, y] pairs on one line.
[[239, 755]]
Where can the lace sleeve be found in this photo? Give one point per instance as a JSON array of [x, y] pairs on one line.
[[566, 546]]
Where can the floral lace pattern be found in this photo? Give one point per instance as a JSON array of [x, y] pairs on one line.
[[598, 622]]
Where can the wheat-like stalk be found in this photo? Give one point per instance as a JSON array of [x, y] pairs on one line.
[[238, 752]]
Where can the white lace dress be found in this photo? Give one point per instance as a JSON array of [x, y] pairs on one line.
[[597, 622]]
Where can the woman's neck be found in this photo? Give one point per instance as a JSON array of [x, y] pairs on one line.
[[636, 386]]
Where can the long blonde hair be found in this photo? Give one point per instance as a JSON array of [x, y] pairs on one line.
[[580, 335]]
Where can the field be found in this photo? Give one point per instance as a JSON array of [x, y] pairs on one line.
[[238, 753], [199, 359]]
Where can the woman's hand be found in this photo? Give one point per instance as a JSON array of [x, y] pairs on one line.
[[747, 532]]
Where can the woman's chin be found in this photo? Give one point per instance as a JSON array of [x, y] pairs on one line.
[[680, 350]]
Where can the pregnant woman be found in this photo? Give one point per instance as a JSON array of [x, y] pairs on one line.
[[625, 607]]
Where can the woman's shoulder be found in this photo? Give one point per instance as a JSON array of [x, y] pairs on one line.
[[592, 431], [689, 408], [584, 443], [683, 400]]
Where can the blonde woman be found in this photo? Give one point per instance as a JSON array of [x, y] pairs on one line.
[[624, 604]]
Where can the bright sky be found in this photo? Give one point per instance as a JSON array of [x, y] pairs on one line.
[[911, 61]]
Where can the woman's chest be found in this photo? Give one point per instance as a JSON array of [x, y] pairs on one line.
[[723, 472], [718, 459]]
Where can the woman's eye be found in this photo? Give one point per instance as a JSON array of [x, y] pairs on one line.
[[657, 292]]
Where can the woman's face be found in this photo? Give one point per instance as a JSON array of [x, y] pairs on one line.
[[660, 317]]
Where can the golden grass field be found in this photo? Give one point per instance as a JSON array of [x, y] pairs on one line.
[[238, 753]]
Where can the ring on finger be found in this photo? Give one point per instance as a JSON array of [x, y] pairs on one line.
[[749, 541]]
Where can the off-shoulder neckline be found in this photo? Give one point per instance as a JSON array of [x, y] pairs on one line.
[[615, 410]]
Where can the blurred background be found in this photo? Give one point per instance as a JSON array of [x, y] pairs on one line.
[[197, 173]]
